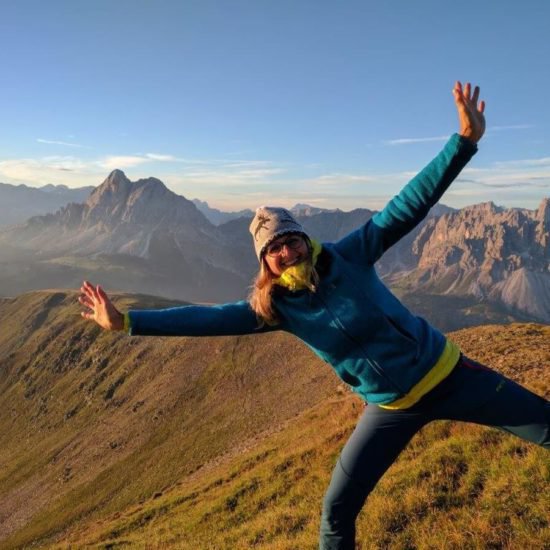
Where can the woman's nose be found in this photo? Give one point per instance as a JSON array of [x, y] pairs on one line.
[[285, 250]]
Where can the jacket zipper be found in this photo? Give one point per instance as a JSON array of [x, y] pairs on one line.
[[403, 333], [373, 364]]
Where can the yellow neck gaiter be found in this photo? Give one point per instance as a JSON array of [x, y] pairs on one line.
[[298, 277]]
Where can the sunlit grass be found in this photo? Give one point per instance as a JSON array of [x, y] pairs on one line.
[[456, 486], [225, 444]]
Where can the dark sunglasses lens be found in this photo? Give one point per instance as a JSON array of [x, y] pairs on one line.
[[274, 249], [294, 242]]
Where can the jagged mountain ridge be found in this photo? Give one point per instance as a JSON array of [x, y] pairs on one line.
[[119, 216], [145, 237], [488, 252], [218, 217], [152, 240]]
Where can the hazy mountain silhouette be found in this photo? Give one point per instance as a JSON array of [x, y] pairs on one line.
[[20, 202], [217, 217], [140, 236], [132, 235]]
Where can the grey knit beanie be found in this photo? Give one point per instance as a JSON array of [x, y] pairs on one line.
[[269, 223]]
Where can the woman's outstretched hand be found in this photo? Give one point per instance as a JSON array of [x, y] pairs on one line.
[[470, 112], [100, 308]]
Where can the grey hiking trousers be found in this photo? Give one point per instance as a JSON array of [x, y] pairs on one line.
[[471, 393]]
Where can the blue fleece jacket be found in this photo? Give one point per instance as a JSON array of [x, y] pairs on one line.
[[352, 321]]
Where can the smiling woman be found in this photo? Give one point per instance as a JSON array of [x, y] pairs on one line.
[[330, 296]]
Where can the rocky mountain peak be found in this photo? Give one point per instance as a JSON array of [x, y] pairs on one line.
[[117, 175], [543, 212], [485, 208], [119, 199], [301, 209], [115, 188], [543, 226], [486, 250], [115, 180]]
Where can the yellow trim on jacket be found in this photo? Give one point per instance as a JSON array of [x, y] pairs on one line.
[[444, 366], [126, 322]]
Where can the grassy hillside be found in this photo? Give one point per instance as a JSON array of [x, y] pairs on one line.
[[219, 443], [93, 421]]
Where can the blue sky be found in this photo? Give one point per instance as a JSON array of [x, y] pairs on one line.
[[250, 102]]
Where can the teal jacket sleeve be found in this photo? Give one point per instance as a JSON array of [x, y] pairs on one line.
[[218, 320], [406, 210]]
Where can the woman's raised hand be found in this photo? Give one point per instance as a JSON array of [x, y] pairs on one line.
[[470, 112], [100, 308]]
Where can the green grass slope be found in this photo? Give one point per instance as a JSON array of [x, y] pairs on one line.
[[94, 421], [228, 443]]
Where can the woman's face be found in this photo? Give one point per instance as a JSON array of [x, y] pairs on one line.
[[284, 252]]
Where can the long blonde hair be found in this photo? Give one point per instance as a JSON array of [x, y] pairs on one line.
[[261, 293]]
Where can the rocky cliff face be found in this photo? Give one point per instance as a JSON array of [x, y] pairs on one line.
[[148, 232], [160, 243], [489, 252], [119, 216]]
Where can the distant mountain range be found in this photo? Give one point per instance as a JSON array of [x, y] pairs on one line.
[[458, 267], [134, 235], [492, 253], [217, 217], [20, 202]]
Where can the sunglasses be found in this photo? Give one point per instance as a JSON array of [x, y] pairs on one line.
[[294, 242]]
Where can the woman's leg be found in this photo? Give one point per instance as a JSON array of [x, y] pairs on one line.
[[471, 393], [377, 440], [483, 396]]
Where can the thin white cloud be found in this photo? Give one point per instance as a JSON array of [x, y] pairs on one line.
[[161, 158], [246, 163], [510, 127], [229, 178], [410, 140], [544, 161], [225, 163], [129, 161], [69, 171], [247, 183], [407, 141], [65, 143], [114, 162], [330, 179]]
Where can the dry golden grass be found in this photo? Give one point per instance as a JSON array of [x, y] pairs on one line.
[[112, 442]]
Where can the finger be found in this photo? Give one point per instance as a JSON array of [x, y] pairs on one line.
[[467, 90], [85, 301], [92, 292], [482, 106], [457, 90], [459, 101], [101, 295], [459, 98], [475, 97], [87, 289], [87, 315]]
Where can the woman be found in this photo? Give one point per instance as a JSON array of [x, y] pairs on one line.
[[330, 296]]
